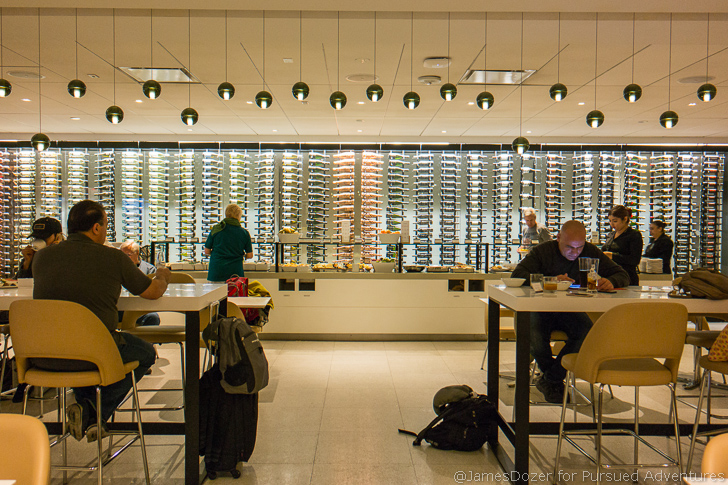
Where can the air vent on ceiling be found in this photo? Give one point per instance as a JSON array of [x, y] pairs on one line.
[[479, 76], [160, 74], [429, 80]]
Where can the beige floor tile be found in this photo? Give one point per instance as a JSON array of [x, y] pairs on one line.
[[393, 347], [404, 380], [416, 397], [448, 347], [338, 474], [354, 347], [356, 419], [426, 455], [379, 380], [291, 416], [295, 346], [285, 446], [375, 447], [361, 398], [295, 396]]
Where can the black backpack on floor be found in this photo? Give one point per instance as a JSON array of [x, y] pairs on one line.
[[463, 423]]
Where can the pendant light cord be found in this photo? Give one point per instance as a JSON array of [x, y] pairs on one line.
[[707, 49], [2, 46], [558, 59], [412, 41], [338, 49], [189, 56], [40, 95], [226, 45], [448, 47], [263, 50], [375, 47], [669, 66], [300, 45], [485, 54], [151, 38], [633, 34], [596, 57], [113, 46], [520, 122], [76, 43]]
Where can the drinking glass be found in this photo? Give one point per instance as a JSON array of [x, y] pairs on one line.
[[584, 267], [536, 280], [550, 284]]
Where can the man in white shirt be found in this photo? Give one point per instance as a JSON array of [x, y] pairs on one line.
[[534, 233]]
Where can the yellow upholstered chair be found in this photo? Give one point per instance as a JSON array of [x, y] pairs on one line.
[[714, 458], [25, 455], [623, 348], [708, 368], [53, 329]]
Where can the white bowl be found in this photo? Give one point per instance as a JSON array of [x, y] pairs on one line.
[[513, 282], [383, 267], [563, 285]]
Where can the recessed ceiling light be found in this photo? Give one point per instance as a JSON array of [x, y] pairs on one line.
[[249, 102], [275, 131], [75, 118], [139, 101], [26, 75], [362, 60], [25, 99], [189, 129], [471, 103], [287, 60], [691, 104], [581, 104], [444, 131], [528, 132], [360, 102], [358, 131]]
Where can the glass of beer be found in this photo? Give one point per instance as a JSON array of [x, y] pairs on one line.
[[550, 284], [584, 267]]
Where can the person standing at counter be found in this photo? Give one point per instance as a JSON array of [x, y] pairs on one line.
[[534, 233], [560, 258], [624, 244], [228, 245], [660, 246]]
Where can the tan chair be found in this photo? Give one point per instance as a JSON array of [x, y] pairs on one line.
[[708, 367], [25, 455], [66, 330], [164, 334], [505, 332], [714, 458], [655, 330]]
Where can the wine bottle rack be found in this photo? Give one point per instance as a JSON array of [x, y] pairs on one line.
[[344, 204], [290, 202], [449, 206], [397, 170], [502, 205], [635, 176], [51, 199], [582, 190], [106, 189], [687, 189], [186, 203], [131, 194], [264, 202], [211, 192], [529, 192], [319, 205], [711, 203], [9, 203], [476, 193], [424, 178], [238, 174], [371, 204], [158, 175], [609, 191], [554, 191], [661, 184], [77, 162]]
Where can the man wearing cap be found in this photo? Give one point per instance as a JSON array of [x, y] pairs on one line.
[[47, 231]]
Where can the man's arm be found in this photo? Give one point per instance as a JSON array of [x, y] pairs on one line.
[[613, 272], [248, 255], [159, 284], [544, 235]]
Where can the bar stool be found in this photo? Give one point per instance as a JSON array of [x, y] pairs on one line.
[[53, 329], [714, 462], [656, 331], [24, 452]]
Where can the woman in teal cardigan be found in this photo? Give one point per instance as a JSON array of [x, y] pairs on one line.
[[228, 245]]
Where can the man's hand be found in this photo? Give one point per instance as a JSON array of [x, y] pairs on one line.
[[28, 253], [564, 277], [159, 284], [605, 284], [163, 273]]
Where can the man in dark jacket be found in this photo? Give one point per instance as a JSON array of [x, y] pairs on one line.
[[560, 258]]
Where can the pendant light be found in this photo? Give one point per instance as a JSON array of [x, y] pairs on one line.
[[189, 115], [448, 91], [707, 91], [151, 88], [113, 113], [595, 118], [226, 90], [632, 92], [411, 100], [669, 118], [300, 90], [263, 99], [558, 91], [40, 141], [520, 145], [375, 91], [76, 87], [5, 86], [485, 99], [338, 99]]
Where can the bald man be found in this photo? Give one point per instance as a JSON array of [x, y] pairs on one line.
[[560, 258]]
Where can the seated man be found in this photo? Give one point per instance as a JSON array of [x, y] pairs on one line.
[[83, 270], [560, 258], [47, 231], [534, 233], [131, 249]]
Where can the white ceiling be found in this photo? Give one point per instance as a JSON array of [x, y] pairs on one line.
[[388, 120]]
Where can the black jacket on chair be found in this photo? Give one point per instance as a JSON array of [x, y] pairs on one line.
[[626, 252]]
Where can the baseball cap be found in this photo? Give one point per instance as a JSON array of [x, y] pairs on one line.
[[46, 227]]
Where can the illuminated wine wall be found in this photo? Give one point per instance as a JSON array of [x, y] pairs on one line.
[[452, 200]]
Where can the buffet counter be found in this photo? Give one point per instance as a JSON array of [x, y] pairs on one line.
[[379, 306]]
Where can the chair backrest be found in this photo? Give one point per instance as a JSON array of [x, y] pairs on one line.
[[653, 330], [58, 329], [234, 311], [181, 278], [714, 457], [25, 453]]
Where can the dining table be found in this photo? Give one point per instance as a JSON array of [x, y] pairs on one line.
[[522, 301], [187, 298]]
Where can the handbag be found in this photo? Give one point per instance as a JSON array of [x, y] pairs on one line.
[[703, 283]]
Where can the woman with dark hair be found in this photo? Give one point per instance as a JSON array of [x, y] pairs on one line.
[[624, 244], [660, 245]]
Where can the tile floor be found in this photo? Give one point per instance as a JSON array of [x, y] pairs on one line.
[[331, 411]]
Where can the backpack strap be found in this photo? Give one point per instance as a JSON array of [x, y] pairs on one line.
[[421, 435]]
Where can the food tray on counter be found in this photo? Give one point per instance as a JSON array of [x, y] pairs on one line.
[[438, 269], [288, 269], [463, 270], [413, 268]]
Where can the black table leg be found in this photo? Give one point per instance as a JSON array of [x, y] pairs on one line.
[[192, 398], [493, 353], [521, 401]]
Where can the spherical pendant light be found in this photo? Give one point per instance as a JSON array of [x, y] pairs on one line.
[[264, 100], [558, 92], [375, 93], [632, 92], [337, 100], [707, 92], [668, 119], [189, 116], [76, 88], [595, 118], [484, 100], [411, 100], [520, 145], [448, 91], [40, 141], [114, 114], [300, 90], [5, 88], [152, 89], [226, 91]]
